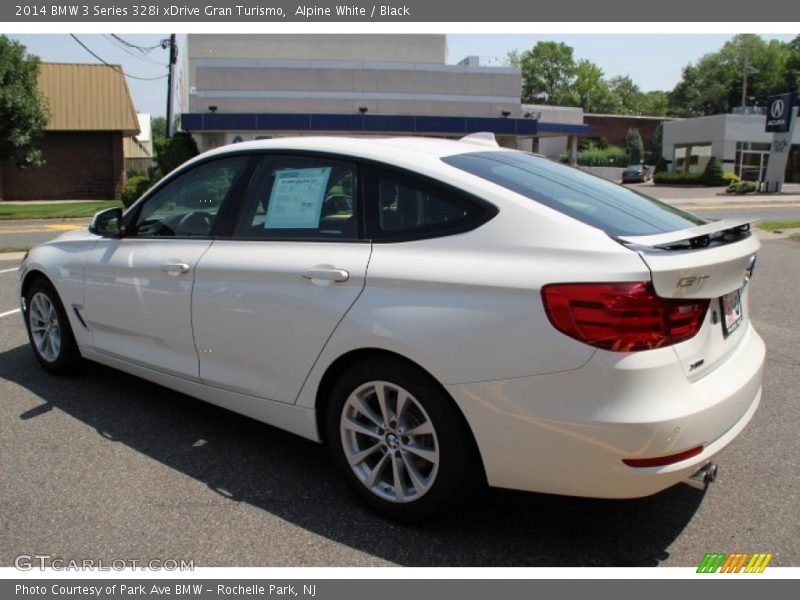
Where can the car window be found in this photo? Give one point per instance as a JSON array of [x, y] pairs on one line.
[[410, 207], [188, 206], [589, 199], [300, 197]]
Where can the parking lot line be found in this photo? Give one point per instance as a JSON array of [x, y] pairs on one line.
[[9, 270], [8, 313]]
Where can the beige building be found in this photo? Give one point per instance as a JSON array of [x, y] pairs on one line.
[[243, 87]]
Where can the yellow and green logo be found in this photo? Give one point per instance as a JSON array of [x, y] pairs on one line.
[[738, 562]]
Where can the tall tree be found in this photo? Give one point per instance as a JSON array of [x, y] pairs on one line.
[[630, 95], [23, 114], [792, 72], [655, 104], [634, 146], [548, 71], [590, 91], [714, 84]]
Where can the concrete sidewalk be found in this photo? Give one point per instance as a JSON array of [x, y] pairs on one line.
[[712, 196]]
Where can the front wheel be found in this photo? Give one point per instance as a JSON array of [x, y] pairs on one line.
[[400, 441], [49, 330]]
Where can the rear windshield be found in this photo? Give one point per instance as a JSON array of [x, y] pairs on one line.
[[589, 199]]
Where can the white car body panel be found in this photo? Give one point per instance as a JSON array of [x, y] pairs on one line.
[[243, 329], [259, 324], [138, 311]]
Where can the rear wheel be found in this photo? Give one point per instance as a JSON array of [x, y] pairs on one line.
[[400, 441], [49, 330]]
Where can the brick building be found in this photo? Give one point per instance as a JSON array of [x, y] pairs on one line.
[[614, 127], [91, 112]]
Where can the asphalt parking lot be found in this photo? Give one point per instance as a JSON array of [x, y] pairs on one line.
[[106, 466]]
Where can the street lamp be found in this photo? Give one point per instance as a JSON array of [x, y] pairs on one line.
[[747, 70]]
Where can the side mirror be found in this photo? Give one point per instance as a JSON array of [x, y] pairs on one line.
[[107, 223]]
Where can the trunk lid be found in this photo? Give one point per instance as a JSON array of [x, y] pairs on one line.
[[712, 261]]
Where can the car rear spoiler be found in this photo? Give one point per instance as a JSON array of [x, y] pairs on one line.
[[671, 238]]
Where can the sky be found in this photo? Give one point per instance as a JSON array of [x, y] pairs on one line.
[[654, 62]]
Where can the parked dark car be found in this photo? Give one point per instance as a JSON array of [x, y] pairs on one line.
[[636, 174]]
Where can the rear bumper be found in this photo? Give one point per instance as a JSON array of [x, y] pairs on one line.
[[567, 433]]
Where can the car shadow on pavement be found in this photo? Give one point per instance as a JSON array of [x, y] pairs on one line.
[[243, 460]]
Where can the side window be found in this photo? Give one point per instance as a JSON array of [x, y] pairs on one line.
[[300, 197], [410, 208], [188, 206]]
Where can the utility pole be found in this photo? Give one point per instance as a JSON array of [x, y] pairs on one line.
[[748, 70], [744, 80], [173, 58]]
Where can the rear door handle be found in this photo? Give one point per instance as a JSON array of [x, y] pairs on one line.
[[175, 268], [326, 273]]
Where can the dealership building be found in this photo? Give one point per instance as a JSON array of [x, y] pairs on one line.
[[738, 140], [245, 87]]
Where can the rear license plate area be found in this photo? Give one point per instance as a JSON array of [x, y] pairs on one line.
[[731, 308]]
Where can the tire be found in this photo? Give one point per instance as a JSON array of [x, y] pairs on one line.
[[428, 448], [49, 331]]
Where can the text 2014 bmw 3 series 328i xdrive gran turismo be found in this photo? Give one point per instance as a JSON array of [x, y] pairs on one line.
[[442, 314]]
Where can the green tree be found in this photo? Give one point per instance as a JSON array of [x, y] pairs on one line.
[[714, 83], [792, 72], [158, 127], [548, 72], [712, 174], [634, 146], [655, 104], [657, 144], [174, 151], [23, 113], [513, 58], [630, 95], [590, 91]]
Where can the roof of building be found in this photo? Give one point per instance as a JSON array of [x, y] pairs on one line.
[[87, 97]]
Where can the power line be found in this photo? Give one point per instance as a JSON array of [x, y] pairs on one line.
[[85, 47], [142, 49], [126, 50]]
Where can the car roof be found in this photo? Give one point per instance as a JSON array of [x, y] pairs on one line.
[[389, 149]]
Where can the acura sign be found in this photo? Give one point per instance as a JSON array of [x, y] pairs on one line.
[[779, 122], [779, 113]]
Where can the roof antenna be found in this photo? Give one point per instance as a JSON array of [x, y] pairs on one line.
[[482, 138]]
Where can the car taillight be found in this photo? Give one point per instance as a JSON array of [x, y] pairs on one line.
[[623, 317]]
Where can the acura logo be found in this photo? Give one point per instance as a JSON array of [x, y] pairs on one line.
[[776, 110]]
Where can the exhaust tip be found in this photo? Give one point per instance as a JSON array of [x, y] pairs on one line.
[[705, 476]]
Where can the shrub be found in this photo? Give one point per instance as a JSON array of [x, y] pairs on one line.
[[134, 188], [174, 151], [665, 178], [661, 165], [742, 187], [712, 175], [595, 156], [731, 177]]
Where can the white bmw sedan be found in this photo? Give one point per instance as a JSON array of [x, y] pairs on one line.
[[442, 314]]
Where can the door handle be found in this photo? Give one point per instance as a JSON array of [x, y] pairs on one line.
[[175, 268], [326, 273]]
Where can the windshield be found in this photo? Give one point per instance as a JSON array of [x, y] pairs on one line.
[[589, 199]]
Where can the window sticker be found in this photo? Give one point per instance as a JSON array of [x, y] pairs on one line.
[[296, 198]]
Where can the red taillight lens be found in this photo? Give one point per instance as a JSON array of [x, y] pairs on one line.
[[661, 461], [623, 317]]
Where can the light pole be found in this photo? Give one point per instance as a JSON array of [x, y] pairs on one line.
[[747, 70]]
